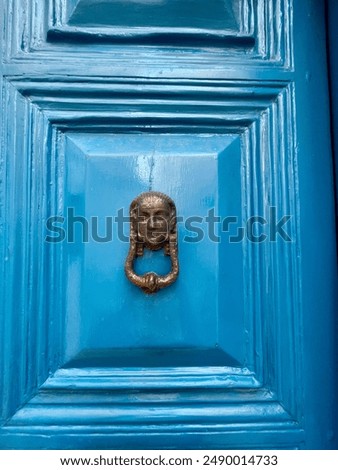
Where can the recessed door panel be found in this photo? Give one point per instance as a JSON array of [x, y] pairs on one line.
[[216, 14], [104, 174]]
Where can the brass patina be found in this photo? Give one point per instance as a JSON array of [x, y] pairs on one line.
[[152, 226]]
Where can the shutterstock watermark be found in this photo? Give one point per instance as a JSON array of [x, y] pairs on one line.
[[73, 227]]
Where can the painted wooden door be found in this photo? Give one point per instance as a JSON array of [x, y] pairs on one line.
[[223, 106]]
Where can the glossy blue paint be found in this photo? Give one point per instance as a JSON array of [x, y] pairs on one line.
[[216, 114], [156, 13], [332, 17], [185, 315]]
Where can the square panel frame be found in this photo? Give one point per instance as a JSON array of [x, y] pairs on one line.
[[38, 32], [262, 397]]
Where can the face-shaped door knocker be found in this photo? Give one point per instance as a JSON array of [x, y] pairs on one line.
[[152, 226]]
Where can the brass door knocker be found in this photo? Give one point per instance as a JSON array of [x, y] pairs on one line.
[[152, 226]]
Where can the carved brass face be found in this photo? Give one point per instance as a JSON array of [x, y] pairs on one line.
[[152, 226], [153, 217]]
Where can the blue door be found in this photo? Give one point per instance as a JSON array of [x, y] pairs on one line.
[[222, 107]]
